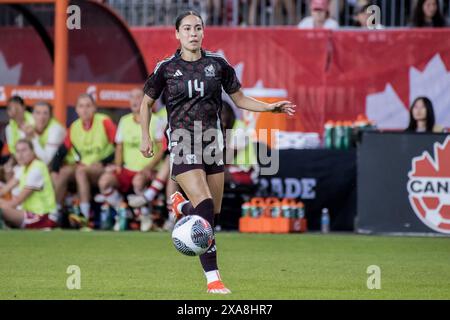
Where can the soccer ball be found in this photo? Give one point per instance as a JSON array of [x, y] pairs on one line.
[[192, 235]]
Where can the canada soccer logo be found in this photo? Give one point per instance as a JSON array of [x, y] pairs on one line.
[[429, 187]]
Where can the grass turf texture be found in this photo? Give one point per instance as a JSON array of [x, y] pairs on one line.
[[133, 265]]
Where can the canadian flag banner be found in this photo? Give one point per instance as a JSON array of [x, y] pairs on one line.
[[329, 74]]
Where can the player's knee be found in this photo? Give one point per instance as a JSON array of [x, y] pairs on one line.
[[105, 182], [81, 171], [138, 182]]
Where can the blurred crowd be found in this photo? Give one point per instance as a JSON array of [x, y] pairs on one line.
[[303, 13], [92, 175]]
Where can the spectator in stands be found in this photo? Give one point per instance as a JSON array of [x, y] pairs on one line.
[[47, 134], [252, 11], [421, 116], [277, 11], [18, 119], [131, 171], [87, 149], [427, 13], [320, 17], [34, 207], [214, 12]]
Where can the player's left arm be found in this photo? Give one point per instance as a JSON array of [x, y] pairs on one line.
[[248, 103]]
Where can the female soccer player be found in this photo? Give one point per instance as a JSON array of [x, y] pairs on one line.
[[192, 81], [34, 206]]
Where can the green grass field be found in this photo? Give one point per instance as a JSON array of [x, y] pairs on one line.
[[132, 265]]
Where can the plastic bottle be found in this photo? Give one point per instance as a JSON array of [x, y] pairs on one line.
[[338, 135], [257, 207], [274, 207], [347, 137], [122, 215], [105, 214], [300, 210], [329, 134], [76, 207], [325, 221], [286, 208], [245, 209]]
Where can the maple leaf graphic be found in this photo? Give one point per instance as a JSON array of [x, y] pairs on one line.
[[388, 111], [429, 187]]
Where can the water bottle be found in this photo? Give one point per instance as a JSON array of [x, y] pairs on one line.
[[245, 209], [76, 208], [339, 135], [348, 131], [329, 133], [325, 221], [122, 215], [300, 210], [105, 217]]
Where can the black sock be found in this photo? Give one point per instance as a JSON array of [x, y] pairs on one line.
[[187, 209], [205, 209]]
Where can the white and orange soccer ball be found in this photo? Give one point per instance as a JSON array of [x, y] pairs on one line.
[[192, 235]]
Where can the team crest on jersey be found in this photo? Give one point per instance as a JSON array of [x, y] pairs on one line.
[[210, 71], [429, 187], [191, 159]]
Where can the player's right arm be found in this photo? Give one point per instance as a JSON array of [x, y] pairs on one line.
[[11, 184], [146, 116]]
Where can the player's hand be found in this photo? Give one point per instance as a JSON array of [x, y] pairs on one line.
[[283, 107], [147, 147], [111, 168], [28, 130]]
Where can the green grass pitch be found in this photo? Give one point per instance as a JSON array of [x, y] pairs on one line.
[[133, 265]]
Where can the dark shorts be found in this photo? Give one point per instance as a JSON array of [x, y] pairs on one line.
[[195, 161], [209, 169]]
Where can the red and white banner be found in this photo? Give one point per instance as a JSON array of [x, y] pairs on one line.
[[329, 74]]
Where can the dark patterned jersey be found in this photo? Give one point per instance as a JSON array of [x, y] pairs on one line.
[[192, 89]]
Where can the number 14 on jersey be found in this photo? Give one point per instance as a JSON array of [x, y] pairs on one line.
[[198, 86]]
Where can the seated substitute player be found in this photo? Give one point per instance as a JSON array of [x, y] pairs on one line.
[[18, 119], [35, 205], [192, 81], [131, 170], [47, 134], [91, 137]]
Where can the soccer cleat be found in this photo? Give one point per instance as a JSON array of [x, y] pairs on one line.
[[177, 200], [217, 287], [136, 201], [77, 221]]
